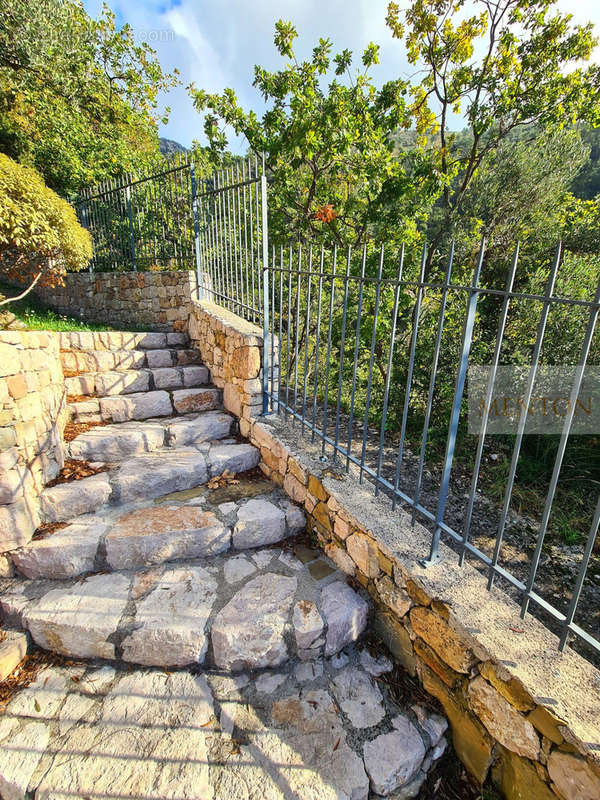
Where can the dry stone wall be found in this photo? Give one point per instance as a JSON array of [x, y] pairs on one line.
[[517, 707], [158, 301], [33, 415], [232, 349]]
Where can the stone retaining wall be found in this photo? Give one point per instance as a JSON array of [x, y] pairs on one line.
[[232, 349], [33, 415], [516, 705], [157, 301]]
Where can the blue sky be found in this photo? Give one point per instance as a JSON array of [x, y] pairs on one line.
[[216, 45]]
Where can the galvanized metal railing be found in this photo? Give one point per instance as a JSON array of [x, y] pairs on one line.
[[350, 330], [167, 218]]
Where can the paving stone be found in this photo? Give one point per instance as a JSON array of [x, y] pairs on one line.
[[263, 558], [167, 378], [308, 623], [237, 568], [66, 553], [345, 613], [233, 457], [193, 430], [259, 522], [148, 742], [170, 621], [187, 401], [339, 660], [288, 559], [140, 405], [164, 533], [13, 649], [195, 375], [358, 697], [227, 508], [116, 383], [21, 750], [67, 500], [375, 666], [78, 621], [393, 759], [311, 749], [109, 443], [320, 569], [308, 671], [159, 473], [248, 633], [269, 682], [295, 518]]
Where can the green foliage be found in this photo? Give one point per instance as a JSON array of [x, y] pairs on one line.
[[39, 231], [511, 65], [78, 97], [330, 159]]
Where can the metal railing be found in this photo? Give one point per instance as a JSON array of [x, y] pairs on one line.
[[373, 358], [142, 221]]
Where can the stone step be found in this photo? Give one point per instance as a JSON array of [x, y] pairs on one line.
[[104, 384], [149, 535], [146, 405], [116, 442], [146, 477], [86, 361], [13, 649], [103, 731], [231, 612], [86, 341]]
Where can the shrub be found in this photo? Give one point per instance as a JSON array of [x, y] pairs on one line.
[[40, 237]]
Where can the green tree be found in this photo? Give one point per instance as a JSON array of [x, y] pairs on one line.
[[329, 148], [513, 64], [40, 237], [78, 97]]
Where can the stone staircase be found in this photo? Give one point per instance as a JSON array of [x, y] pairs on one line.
[[211, 651]]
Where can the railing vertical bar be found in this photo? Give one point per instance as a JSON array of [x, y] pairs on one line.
[[317, 342], [272, 334], [342, 348], [328, 359], [297, 325], [432, 379], [307, 335], [288, 324], [356, 351], [562, 446], [461, 377], [265, 269], [371, 360], [583, 567], [488, 397], [523, 415], [409, 374], [390, 363], [280, 329]]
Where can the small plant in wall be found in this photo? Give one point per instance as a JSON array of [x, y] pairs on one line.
[[40, 237]]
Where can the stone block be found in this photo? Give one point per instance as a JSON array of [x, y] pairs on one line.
[[67, 500], [187, 401], [13, 649], [142, 405]]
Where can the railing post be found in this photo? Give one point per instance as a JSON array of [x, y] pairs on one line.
[[196, 228], [265, 267], [131, 234]]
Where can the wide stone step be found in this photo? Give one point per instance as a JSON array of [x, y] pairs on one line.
[[121, 340], [98, 731], [157, 534], [146, 405], [74, 361], [111, 443], [104, 384], [146, 477], [232, 612]]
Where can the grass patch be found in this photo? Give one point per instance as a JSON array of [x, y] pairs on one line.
[[38, 317]]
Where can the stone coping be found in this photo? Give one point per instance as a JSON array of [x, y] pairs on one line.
[[230, 320], [466, 644]]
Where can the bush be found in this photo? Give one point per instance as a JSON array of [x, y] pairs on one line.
[[40, 237]]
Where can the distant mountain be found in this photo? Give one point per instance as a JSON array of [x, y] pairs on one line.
[[168, 147]]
